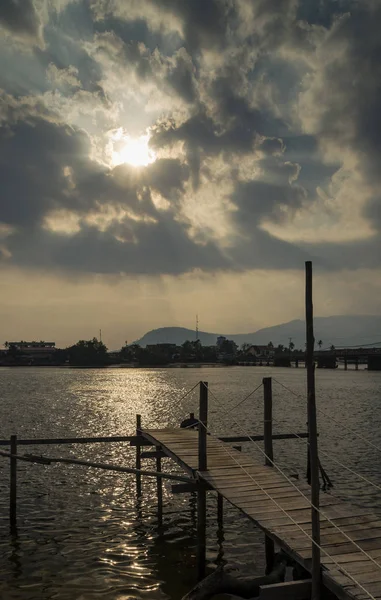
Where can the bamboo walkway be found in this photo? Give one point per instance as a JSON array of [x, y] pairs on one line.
[[283, 514]]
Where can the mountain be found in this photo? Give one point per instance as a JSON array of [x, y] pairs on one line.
[[338, 330]]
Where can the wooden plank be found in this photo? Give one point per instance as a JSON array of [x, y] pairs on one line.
[[371, 576], [277, 495], [353, 557], [345, 523], [259, 438], [169, 453], [287, 590]]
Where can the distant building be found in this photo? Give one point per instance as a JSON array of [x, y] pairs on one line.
[[261, 351], [34, 352], [28, 345]]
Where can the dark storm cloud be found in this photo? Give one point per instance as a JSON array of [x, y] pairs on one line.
[[235, 71], [205, 23], [151, 249], [20, 17], [350, 117], [33, 156]]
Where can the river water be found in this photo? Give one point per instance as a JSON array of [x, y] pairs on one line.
[[83, 534]]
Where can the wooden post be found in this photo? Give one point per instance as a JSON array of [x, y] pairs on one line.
[[345, 363], [202, 428], [138, 456], [13, 485], [220, 528], [268, 420], [201, 494], [159, 492], [220, 510], [312, 431], [268, 443], [357, 363]]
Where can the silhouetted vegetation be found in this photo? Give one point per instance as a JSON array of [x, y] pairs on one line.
[[88, 353], [94, 353]]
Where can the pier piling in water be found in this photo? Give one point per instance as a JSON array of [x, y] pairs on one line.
[[201, 492], [269, 452], [138, 456], [159, 492], [13, 484], [220, 510]]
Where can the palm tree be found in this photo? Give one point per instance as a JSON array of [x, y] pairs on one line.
[[320, 343]]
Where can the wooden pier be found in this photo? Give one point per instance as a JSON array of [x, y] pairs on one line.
[[282, 513]]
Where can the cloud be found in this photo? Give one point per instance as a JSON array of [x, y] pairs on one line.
[[341, 100], [63, 77], [263, 116], [20, 18]]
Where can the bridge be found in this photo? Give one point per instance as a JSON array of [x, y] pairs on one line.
[[324, 358]]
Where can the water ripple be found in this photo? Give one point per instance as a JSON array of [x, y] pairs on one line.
[[83, 534]]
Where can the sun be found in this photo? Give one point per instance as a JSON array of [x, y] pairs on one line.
[[132, 151]]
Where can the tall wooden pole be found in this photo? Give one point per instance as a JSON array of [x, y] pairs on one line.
[[159, 492], [138, 456], [312, 433], [13, 485], [201, 493], [269, 458]]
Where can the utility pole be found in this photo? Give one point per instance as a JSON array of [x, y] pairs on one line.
[[196, 328]]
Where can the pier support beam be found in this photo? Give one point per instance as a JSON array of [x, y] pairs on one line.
[[220, 511], [138, 456], [13, 485], [201, 493], [159, 484], [268, 443]]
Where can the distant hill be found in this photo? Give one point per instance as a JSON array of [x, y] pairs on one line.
[[338, 330]]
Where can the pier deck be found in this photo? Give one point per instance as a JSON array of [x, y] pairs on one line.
[[276, 506]]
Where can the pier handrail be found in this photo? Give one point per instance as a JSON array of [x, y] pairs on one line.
[[46, 460], [70, 440]]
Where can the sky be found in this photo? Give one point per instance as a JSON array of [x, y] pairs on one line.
[[162, 158]]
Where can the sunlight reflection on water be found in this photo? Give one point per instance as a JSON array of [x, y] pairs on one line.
[[82, 532]]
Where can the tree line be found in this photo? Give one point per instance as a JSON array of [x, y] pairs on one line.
[[94, 353]]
